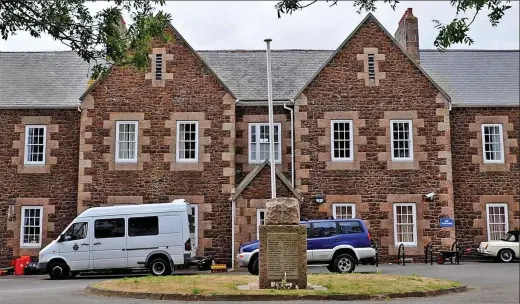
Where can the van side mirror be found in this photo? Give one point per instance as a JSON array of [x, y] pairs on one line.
[[61, 238]]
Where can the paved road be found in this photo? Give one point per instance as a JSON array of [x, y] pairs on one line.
[[490, 283]]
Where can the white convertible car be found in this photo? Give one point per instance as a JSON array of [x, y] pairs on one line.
[[505, 250]]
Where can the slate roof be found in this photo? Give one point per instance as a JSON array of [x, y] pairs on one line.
[[476, 77], [245, 72], [42, 79], [58, 79]]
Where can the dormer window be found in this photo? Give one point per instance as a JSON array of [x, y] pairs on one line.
[[158, 66], [371, 67]]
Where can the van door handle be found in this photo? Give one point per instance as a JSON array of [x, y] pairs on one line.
[[336, 240], [98, 243], [84, 244]]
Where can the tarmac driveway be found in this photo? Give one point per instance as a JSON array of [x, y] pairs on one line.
[[490, 283]]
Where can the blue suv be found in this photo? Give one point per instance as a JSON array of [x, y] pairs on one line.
[[342, 244]]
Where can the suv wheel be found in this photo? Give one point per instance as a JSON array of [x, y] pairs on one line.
[[344, 263], [253, 266], [506, 255]]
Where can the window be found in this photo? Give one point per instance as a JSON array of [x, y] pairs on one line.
[[259, 142], [497, 222], [343, 211], [158, 66], [143, 226], [31, 227], [78, 231], [371, 67], [193, 219], [324, 229], [260, 220], [405, 224], [35, 139], [341, 140], [109, 228], [126, 141], [492, 143], [187, 141], [402, 142], [348, 227]]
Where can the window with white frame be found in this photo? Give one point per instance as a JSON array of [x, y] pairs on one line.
[[402, 140], [343, 211], [187, 141], [35, 142], [259, 142], [497, 222], [341, 140], [492, 143], [405, 224], [260, 220], [158, 66], [31, 226], [126, 141]]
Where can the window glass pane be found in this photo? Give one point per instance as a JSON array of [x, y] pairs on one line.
[[497, 223], [324, 229], [404, 218], [259, 142], [109, 228], [350, 227], [341, 139], [187, 141], [401, 139], [77, 231], [142, 226]]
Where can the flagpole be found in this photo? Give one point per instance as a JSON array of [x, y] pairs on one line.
[[271, 126]]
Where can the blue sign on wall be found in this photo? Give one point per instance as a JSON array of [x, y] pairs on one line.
[[447, 222]]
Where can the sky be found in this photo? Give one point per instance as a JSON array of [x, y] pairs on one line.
[[212, 25]]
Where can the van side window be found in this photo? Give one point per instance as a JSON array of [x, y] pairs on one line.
[[350, 227], [109, 228], [142, 226], [324, 229], [78, 231]]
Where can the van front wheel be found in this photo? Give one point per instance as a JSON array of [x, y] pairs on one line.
[[160, 267], [58, 270]]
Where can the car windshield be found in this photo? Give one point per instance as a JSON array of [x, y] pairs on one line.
[[509, 237]]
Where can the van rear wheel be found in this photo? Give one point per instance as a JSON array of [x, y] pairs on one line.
[[160, 267]]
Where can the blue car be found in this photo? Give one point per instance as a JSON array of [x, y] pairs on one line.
[[342, 244]]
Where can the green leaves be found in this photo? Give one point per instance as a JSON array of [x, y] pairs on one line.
[[99, 38], [453, 33]]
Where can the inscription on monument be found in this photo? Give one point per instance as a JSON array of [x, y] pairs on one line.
[[282, 255]]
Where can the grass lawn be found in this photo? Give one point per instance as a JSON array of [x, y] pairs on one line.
[[221, 284]]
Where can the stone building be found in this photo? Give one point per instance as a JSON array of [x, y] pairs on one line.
[[371, 127]]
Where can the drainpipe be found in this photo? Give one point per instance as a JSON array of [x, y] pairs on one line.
[[233, 235], [292, 141], [233, 226]]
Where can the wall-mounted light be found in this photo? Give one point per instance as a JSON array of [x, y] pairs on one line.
[[320, 199]]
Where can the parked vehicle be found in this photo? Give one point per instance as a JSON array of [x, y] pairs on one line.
[[505, 250], [151, 236], [342, 244]]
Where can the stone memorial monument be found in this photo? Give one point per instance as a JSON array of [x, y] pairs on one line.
[[283, 245]]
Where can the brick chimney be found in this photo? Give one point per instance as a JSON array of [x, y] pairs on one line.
[[407, 34]]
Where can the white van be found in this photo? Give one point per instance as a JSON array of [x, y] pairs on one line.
[[150, 236]]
